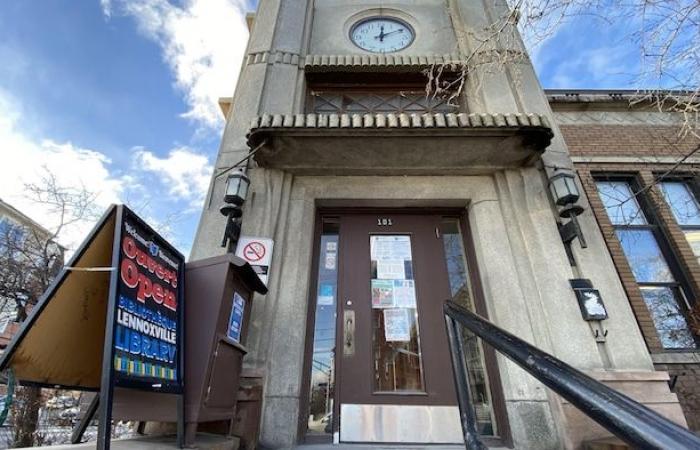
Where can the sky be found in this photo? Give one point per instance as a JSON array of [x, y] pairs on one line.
[[119, 97]]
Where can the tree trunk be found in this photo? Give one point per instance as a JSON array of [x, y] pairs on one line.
[[25, 416]]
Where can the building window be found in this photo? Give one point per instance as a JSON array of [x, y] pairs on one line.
[[660, 289], [322, 389], [11, 238], [372, 102], [685, 208]]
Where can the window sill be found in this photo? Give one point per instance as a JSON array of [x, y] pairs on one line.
[[676, 358]]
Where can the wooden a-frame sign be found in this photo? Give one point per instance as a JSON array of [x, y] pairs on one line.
[[114, 316]]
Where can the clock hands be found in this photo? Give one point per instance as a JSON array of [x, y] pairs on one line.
[[392, 32], [382, 34]]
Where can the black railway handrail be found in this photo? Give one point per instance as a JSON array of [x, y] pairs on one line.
[[627, 419]]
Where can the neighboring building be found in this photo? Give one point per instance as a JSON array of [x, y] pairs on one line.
[[24, 247], [621, 146], [382, 204]]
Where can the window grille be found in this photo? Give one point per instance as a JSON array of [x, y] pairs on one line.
[[356, 102]]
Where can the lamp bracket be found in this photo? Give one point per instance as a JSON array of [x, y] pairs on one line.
[[568, 232]]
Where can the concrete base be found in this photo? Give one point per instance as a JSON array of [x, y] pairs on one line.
[[649, 388], [203, 441], [381, 447]]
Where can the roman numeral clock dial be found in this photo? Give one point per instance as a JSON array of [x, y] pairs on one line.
[[382, 34]]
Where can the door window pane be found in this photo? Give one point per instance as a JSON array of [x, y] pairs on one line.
[[682, 202], [669, 321], [323, 359], [458, 273], [620, 203], [396, 343], [644, 256]]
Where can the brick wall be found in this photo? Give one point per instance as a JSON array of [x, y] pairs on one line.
[[628, 141], [686, 379]]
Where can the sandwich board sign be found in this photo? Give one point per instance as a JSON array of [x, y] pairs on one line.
[[113, 317]]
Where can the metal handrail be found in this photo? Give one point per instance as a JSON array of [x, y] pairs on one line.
[[630, 421]]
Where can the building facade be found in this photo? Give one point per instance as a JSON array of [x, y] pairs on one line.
[[27, 253], [620, 146], [383, 202]]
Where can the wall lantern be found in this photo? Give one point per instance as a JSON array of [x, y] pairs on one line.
[[563, 188], [236, 191], [565, 193], [236, 188]]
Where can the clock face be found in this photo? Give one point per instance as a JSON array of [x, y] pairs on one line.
[[382, 35]]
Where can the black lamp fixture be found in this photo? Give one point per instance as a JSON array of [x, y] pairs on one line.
[[565, 193], [236, 191], [236, 188]]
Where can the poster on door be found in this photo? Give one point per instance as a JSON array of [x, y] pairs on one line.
[[391, 248], [404, 294], [382, 294], [393, 294], [397, 327]]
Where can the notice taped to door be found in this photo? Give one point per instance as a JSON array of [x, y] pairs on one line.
[[404, 294], [390, 248], [397, 327], [382, 294]]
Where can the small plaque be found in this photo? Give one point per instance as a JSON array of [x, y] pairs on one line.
[[591, 304]]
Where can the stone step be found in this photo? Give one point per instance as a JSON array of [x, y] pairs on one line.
[[382, 447], [609, 443], [203, 441]]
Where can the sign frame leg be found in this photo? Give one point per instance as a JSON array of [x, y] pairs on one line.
[[79, 429], [104, 429]]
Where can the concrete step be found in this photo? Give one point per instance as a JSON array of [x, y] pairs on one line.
[[203, 441], [610, 443], [382, 447]]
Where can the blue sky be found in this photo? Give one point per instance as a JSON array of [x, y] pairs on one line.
[[120, 96]]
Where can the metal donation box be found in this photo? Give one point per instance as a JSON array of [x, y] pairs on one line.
[[218, 303]]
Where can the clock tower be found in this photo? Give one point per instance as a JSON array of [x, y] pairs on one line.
[[401, 155]]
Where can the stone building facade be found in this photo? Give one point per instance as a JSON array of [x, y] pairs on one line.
[[612, 138], [382, 204]]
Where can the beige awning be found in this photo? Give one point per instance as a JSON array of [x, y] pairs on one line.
[[398, 143]]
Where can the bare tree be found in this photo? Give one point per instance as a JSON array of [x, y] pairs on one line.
[[666, 32], [30, 258]]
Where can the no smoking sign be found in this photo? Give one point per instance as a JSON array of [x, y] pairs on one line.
[[254, 252], [258, 253]]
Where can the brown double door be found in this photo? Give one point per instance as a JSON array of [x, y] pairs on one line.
[[393, 280]]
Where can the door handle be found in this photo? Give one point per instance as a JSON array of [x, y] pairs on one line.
[[348, 332]]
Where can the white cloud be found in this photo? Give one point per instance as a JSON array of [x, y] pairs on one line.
[[25, 160], [183, 175], [203, 43], [184, 171], [106, 6]]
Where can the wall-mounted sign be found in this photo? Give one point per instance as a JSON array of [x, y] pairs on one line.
[[589, 300], [235, 321], [257, 252]]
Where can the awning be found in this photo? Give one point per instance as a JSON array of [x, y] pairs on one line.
[[329, 144]]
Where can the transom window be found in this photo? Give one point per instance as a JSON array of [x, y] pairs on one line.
[[660, 289], [371, 102]]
